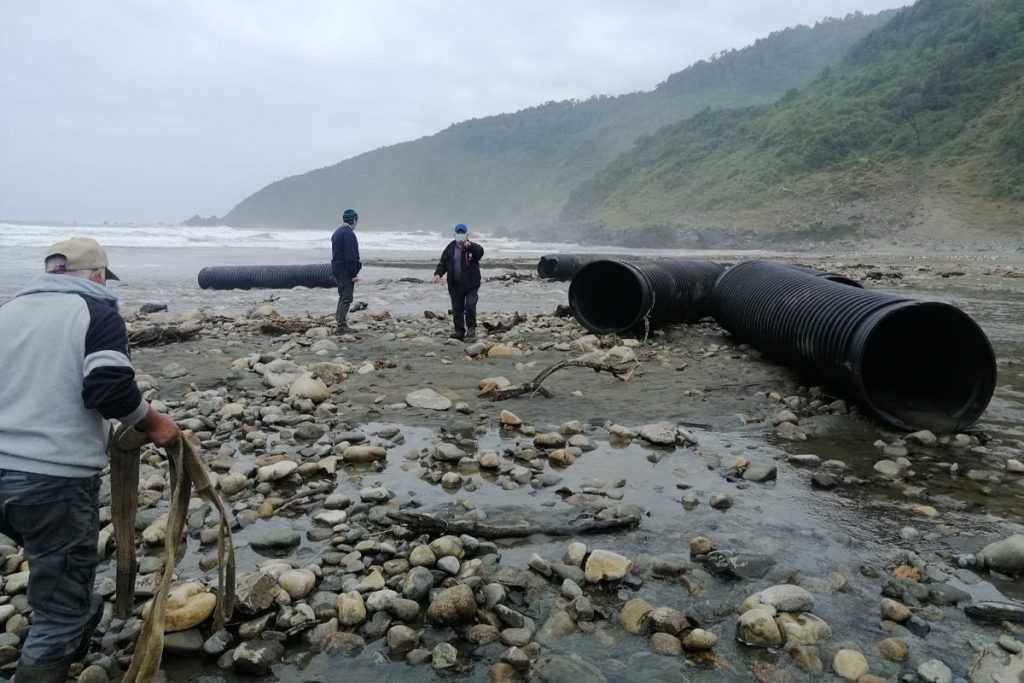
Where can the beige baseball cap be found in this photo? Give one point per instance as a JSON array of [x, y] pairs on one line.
[[82, 253]]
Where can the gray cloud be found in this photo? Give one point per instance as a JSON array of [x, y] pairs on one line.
[[122, 111]]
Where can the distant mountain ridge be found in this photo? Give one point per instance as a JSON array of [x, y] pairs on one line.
[[516, 171], [917, 134]]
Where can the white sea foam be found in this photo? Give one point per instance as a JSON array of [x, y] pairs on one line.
[[221, 237]]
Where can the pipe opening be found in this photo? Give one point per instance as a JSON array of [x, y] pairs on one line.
[[546, 267], [928, 366], [608, 297]]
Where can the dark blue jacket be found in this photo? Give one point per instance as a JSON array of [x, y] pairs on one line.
[[345, 252]]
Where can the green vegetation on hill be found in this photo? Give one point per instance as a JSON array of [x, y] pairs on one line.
[[922, 119], [518, 169]]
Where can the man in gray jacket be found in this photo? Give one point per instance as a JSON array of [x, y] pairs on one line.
[[65, 373]]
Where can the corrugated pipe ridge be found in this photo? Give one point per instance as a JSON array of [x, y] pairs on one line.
[[914, 364]]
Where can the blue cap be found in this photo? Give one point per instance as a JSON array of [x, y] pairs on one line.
[[349, 215], [461, 228]]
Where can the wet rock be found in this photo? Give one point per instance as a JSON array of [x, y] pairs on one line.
[[218, 643], [1006, 556], [667, 620], [787, 598], [760, 473], [363, 454], [418, 583], [444, 656], [894, 649], [94, 673], [427, 399], [888, 469], [447, 546], [720, 501], [559, 625], [806, 658], [570, 669], [297, 582], [633, 613], [666, 644], [659, 433], [698, 639], [187, 606], [276, 471], [183, 643], [934, 671], [849, 664], [824, 480], [922, 438], [402, 639], [453, 607], [757, 627], [503, 672], [789, 432], [308, 386], [604, 565], [233, 482], [895, 611], [509, 419], [257, 656], [803, 628], [575, 553], [351, 609], [995, 664], [275, 539]]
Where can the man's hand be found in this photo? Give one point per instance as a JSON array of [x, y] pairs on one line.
[[160, 428], [437, 278]]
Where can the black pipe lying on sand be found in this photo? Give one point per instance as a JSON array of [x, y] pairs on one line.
[[563, 267], [834, 277], [614, 296], [914, 364], [267, 277]]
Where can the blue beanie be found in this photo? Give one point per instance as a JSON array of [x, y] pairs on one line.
[[461, 228], [349, 215]]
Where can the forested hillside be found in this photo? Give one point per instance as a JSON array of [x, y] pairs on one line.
[[918, 129], [518, 169]]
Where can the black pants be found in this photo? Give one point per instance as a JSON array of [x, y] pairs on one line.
[[464, 306], [346, 290], [56, 521]]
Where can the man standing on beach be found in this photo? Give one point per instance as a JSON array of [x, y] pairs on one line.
[[66, 372], [461, 261], [345, 265]]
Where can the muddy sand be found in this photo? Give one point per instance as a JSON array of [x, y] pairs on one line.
[[741, 477]]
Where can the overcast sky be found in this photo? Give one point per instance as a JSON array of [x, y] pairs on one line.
[[155, 110]]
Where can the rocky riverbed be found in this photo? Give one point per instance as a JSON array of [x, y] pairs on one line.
[[769, 531]]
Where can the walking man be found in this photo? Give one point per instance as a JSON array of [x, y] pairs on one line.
[[460, 260], [66, 372], [346, 265]]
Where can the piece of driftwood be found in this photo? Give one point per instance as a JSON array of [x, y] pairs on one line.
[[275, 326], [440, 527], [159, 335], [503, 326], [534, 385]]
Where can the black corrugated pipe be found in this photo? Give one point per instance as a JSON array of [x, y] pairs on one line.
[[563, 267], [914, 364], [267, 277], [834, 277], [614, 296]]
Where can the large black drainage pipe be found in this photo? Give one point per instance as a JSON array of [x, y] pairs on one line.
[[614, 296], [267, 277], [914, 364], [563, 267]]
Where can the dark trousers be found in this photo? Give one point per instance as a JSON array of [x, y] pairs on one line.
[[346, 289], [464, 306], [56, 521]]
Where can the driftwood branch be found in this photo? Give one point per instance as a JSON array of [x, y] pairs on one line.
[[503, 326], [440, 527], [534, 385], [159, 335]]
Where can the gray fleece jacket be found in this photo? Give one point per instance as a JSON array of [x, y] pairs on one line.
[[64, 372]]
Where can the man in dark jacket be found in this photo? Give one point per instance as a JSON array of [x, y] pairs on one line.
[[460, 260], [346, 265], [65, 372]]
